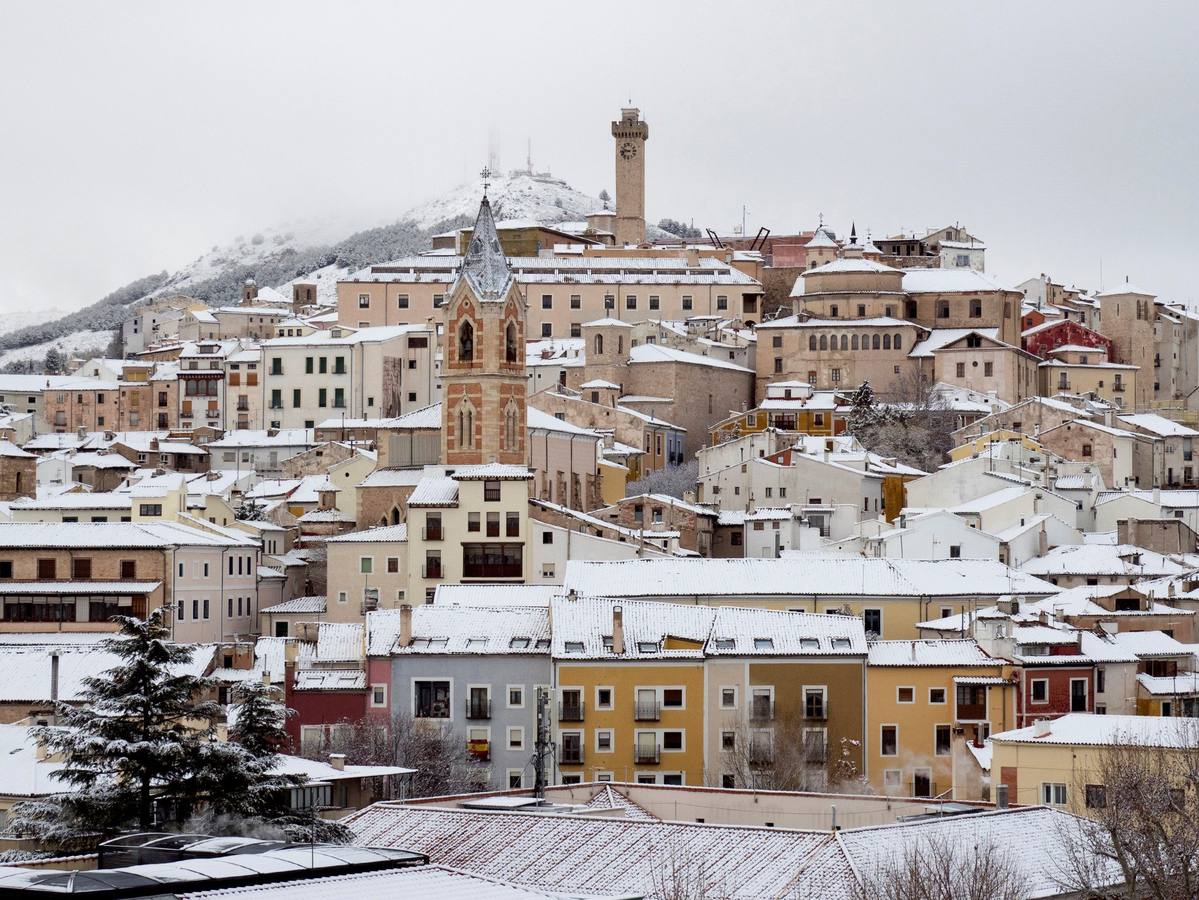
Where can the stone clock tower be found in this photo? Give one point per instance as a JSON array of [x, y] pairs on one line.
[[630, 133]]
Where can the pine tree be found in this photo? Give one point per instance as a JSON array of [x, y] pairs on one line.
[[53, 363], [139, 731], [862, 413]]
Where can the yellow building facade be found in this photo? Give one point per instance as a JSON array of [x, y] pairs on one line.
[[921, 697]]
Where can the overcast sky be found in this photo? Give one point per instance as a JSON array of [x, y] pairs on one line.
[[138, 135]]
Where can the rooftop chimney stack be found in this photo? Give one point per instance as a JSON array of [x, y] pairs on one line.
[[338, 761], [618, 630], [54, 664], [405, 625]]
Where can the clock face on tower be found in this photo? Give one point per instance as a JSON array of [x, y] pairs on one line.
[[628, 150]]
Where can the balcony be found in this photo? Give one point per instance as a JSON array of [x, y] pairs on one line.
[[645, 755], [478, 708], [647, 711], [761, 710], [493, 570], [432, 533], [572, 755], [570, 711], [1118, 388], [243, 406], [972, 712]]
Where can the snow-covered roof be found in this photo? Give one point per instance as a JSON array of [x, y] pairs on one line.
[[1159, 425], [307, 605], [1088, 729], [741, 631], [447, 629], [345, 337], [330, 680], [1038, 864], [658, 353], [599, 384], [119, 500], [112, 534], [1149, 644], [1185, 683], [536, 419], [930, 653], [871, 322], [392, 478], [939, 338], [799, 574], [848, 264], [1124, 289], [491, 472], [325, 515], [1103, 559], [576, 854], [27, 669], [9, 449], [283, 437], [1167, 499], [388, 533]]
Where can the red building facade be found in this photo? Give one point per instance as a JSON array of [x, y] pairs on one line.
[[1048, 337]]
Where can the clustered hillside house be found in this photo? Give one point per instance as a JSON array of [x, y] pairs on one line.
[[604, 539]]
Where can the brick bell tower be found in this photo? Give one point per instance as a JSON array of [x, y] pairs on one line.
[[630, 133], [483, 413]]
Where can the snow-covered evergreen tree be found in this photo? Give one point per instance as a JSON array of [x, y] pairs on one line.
[[141, 732]]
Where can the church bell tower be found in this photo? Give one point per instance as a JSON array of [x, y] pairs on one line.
[[630, 134], [483, 413]]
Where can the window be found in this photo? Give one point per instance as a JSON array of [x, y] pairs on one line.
[[889, 740], [943, 738], [472, 521], [516, 696], [988, 369], [378, 695], [1096, 796], [936, 695], [81, 568], [654, 302], [516, 737], [366, 565], [150, 509], [603, 740], [432, 699], [722, 302], [603, 698], [1053, 794], [687, 302], [1087, 450], [672, 740], [728, 740], [872, 621], [905, 695], [672, 698], [6, 568], [512, 525], [1040, 690], [728, 698], [576, 301], [630, 302], [955, 551], [961, 370], [364, 301], [491, 491]]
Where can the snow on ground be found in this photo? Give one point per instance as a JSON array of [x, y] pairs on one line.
[[519, 196], [77, 343], [14, 321], [326, 284]]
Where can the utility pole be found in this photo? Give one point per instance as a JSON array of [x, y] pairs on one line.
[[542, 745]]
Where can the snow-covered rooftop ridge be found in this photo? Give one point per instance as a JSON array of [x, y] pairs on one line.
[[113, 534], [797, 574], [1088, 729], [448, 628], [1103, 559], [931, 652], [584, 629]]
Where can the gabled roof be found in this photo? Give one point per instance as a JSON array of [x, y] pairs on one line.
[[441, 629], [1088, 729]]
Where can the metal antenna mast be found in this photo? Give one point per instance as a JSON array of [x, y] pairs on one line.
[[542, 744]]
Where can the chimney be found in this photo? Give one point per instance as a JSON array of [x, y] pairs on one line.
[[1042, 541], [1042, 728], [54, 664], [618, 630], [338, 761], [153, 445], [266, 677], [405, 625], [1001, 796], [1157, 495], [572, 595]]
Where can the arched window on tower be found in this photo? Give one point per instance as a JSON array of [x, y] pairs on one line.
[[466, 342], [599, 345], [510, 342]]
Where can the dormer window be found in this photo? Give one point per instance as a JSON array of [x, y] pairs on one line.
[[763, 643], [726, 644], [518, 643], [647, 647], [574, 646], [809, 643], [842, 644]]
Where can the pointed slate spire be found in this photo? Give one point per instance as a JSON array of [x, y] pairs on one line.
[[853, 233], [485, 267]]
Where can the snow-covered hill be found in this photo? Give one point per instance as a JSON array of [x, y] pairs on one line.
[[15, 321], [320, 249], [519, 196]]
